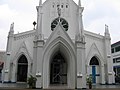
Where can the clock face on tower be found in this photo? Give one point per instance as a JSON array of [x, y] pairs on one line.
[[63, 22]]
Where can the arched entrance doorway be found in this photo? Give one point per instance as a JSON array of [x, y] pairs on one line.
[[63, 52], [95, 70], [58, 70], [22, 69]]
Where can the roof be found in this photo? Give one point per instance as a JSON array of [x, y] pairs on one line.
[[115, 44]]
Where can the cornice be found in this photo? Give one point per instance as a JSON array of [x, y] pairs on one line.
[[24, 35]]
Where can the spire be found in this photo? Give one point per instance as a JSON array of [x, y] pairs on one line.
[[79, 3], [39, 22], [40, 2], [107, 31], [80, 31], [12, 27]]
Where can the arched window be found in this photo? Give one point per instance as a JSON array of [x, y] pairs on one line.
[[22, 69], [63, 22], [94, 61], [22, 59]]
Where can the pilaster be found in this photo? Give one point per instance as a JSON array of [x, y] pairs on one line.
[[108, 58], [13, 77], [38, 48], [39, 63], [7, 71], [102, 75], [81, 73]]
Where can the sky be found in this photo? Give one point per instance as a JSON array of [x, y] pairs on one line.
[[96, 14]]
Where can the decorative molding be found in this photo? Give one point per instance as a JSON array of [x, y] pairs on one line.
[[22, 50], [93, 35], [94, 51], [24, 35]]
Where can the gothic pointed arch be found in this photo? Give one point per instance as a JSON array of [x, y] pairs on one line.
[[94, 52], [22, 69], [94, 61], [95, 69], [59, 34], [59, 45], [58, 69], [22, 50]]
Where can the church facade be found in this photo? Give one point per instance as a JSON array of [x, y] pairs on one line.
[[59, 52]]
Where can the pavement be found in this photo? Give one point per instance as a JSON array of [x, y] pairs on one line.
[[24, 86]]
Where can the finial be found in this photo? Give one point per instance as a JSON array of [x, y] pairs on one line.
[[40, 2], [79, 2], [12, 27], [34, 23], [106, 29]]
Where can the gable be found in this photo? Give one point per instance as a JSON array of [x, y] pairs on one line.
[[23, 49], [60, 33], [94, 51], [69, 11]]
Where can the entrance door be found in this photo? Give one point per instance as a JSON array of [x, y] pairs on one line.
[[94, 74], [22, 69], [94, 63], [58, 72]]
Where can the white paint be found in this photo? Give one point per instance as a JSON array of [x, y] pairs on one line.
[[77, 52]]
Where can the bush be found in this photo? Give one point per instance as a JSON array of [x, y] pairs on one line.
[[32, 81], [89, 81]]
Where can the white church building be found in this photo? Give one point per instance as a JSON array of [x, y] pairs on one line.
[[59, 52]]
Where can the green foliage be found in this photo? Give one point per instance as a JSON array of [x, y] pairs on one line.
[[89, 79], [31, 81]]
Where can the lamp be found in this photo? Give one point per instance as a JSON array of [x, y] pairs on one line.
[[6, 70], [79, 75], [38, 74]]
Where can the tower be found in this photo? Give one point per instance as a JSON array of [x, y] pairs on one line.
[[108, 58], [38, 48], [8, 54], [80, 46], [80, 30]]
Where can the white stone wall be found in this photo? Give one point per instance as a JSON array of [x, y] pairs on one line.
[[23, 40], [21, 43], [94, 39], [48, 16], [78, 54]]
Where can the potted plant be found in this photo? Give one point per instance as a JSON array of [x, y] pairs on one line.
[[89, 81], [32, 81]]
